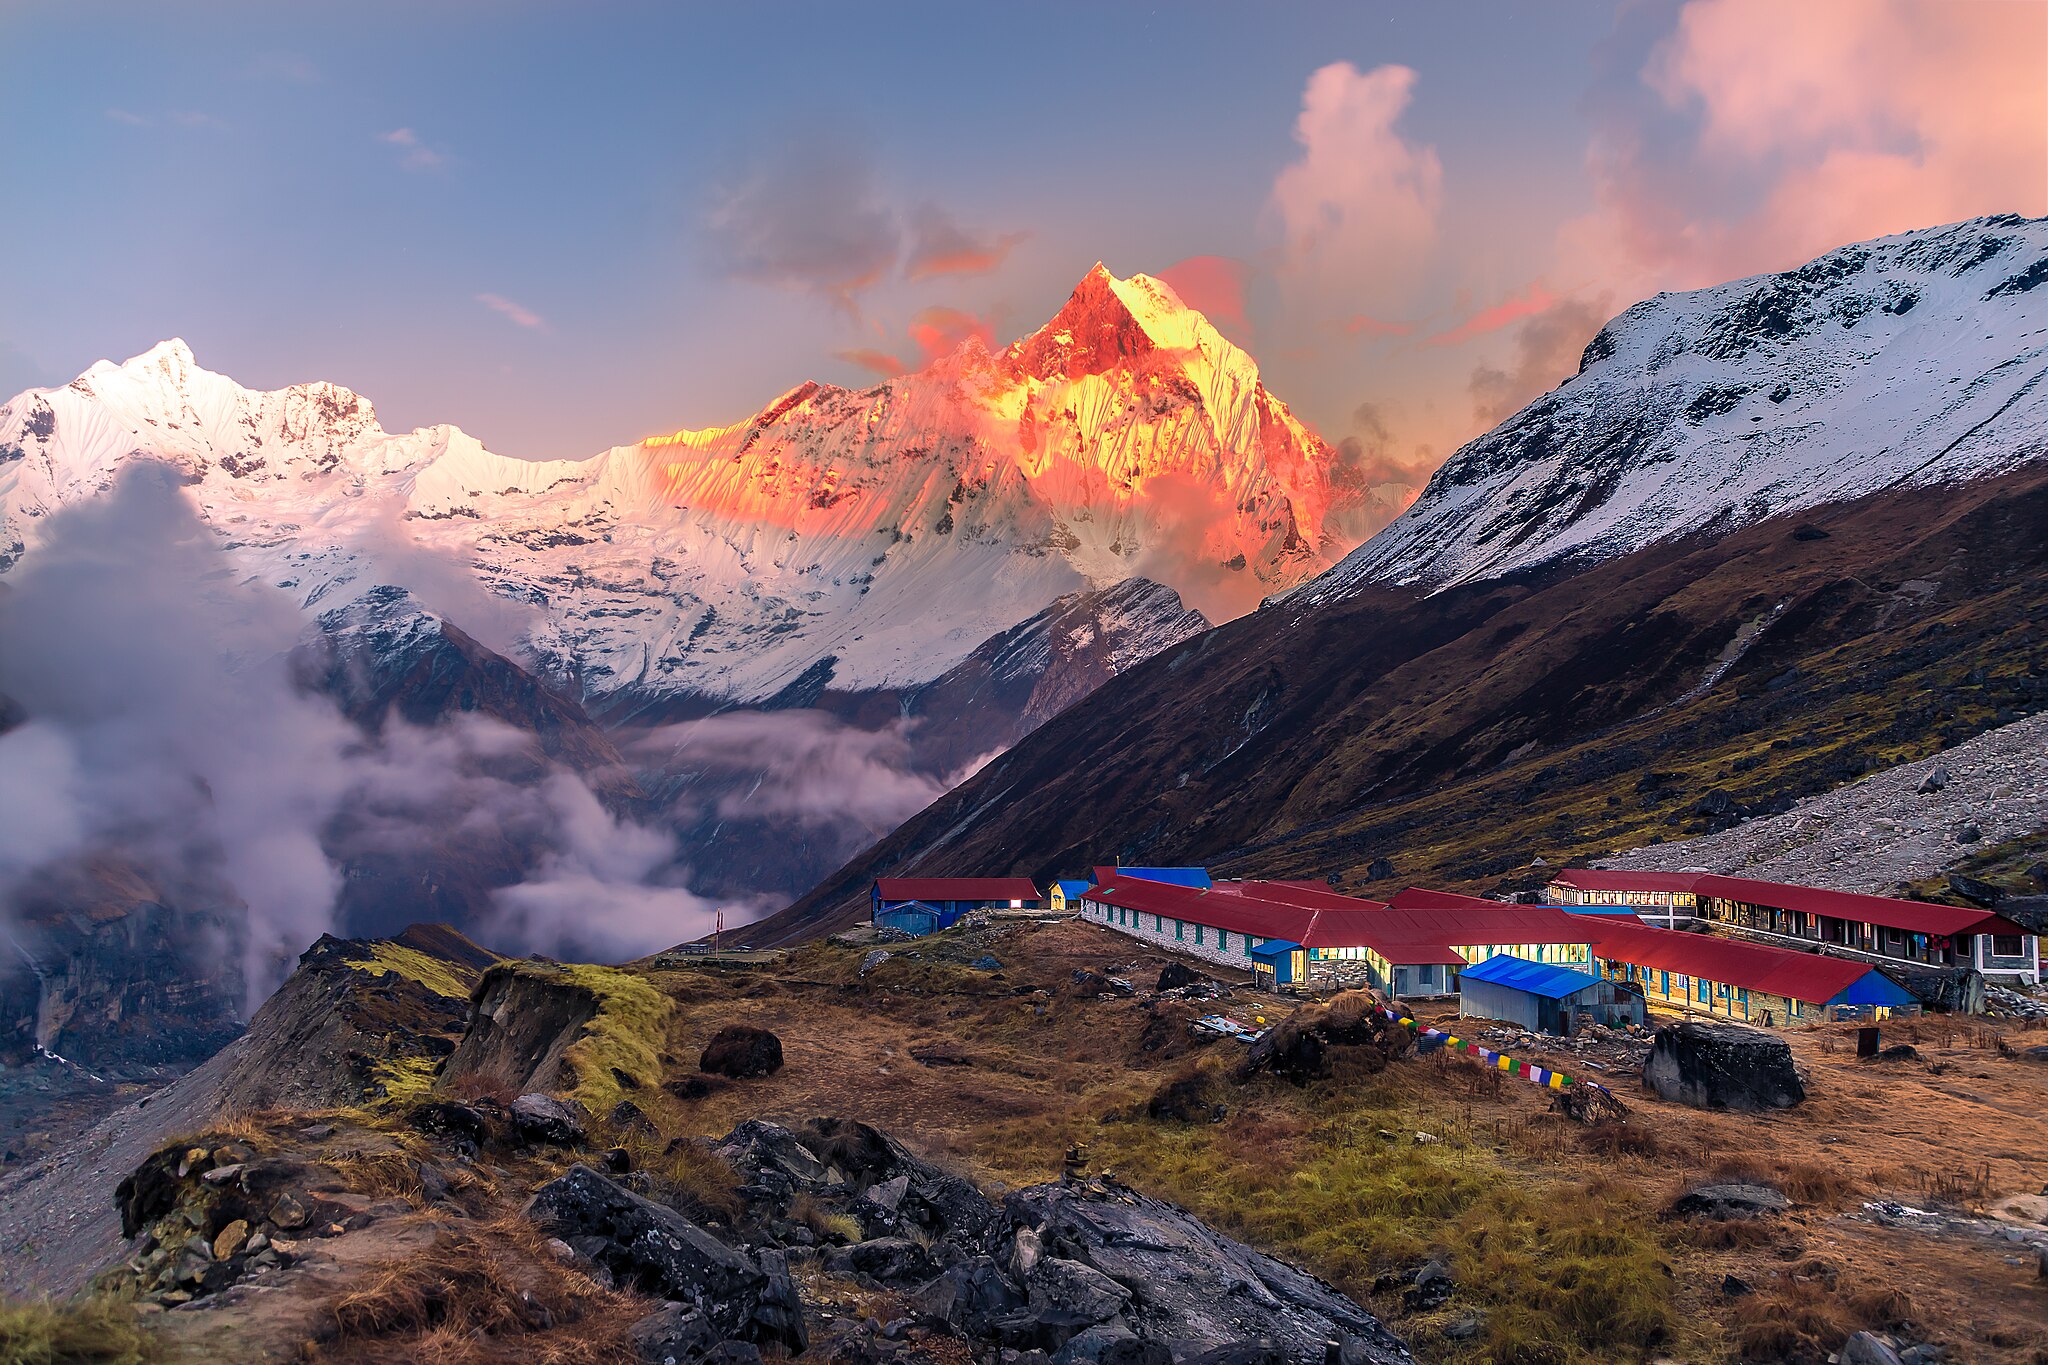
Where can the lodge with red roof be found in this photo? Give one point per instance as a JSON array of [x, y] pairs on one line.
[[1912, 934]]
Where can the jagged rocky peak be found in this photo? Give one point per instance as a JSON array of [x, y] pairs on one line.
[[1910, 360]]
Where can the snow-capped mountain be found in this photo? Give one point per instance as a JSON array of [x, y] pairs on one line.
[[1912, 360], [864, 541]]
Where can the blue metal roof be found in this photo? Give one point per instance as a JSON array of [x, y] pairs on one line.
[[1173, 876], [1073, 888], [1873, 988], [1537, 978], [1275, 947], [1628, 910]]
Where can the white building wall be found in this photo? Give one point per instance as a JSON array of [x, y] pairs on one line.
[[1163, 937]]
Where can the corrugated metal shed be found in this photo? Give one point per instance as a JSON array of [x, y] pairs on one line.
[[1537, 978]]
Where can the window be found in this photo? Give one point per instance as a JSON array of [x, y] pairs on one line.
[[1223, 939], [1198, 933], [1158, 925], [2005, 945], [1180, 929]]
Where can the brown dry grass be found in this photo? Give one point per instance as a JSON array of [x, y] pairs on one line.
[[476, 1298]]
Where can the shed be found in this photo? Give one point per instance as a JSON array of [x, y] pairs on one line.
[[1278, 962], [923, 905], [1064, 897], [1542, 996]]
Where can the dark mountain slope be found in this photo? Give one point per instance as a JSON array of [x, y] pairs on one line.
[[1461, 734]]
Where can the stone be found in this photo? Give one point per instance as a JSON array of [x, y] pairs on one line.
[[1969, 834], [1110, 1345], [1431, 1288], [317, 1132], [874, 959], [1379, 869], [889, 1193], [1898, 1052], [672, 1335], [1735, 1287], [1975, 890], [1722, 1066], [289, 1212], [230, 1239], [987, 962], [221, 1175], [449, 1121], [741, 1051], [1465, 1328], [968, 1296], [545, 1119], [1175, 975], [1059, 1285], [646, 1246], [1936, 779], [1726, 1201], [891, 1260], [1865, 1348]]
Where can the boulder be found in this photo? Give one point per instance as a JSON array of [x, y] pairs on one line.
[[450, 1122], [673, 1335], [1110, 1345], [969, 1297], [1865, 1348], [1936, 779], [892, 1260], [1174, 975], [1722, 1066], [1239, 1353], [1189, 1283], [1062, 1286], [645, 1246], [740, 1051], [543, 1118], [523, 1018], [1723, 1202]]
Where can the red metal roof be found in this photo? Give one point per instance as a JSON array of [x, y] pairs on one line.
[[1915, 917], [1807, 977], [956, 889], [1604, 879], [1326, 919]]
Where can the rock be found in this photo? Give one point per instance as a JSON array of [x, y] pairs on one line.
[[1936, 779], [1466, 1328], [1379, 869], [689, 1088], [318, 1132], [1972, 889], [1722, 1066], [672, 1335], [1864, 1348], [987, 962], [230, 1239], [1062, 1286], [1431, 1288], [645, 1246], [1898, 1052], [892, 1260], [889, 1193], [1968, 834], [874, 960], [618, 1161], [460, 1123], [543, 1118], [628, 1117], [1190, 1283], [1714, 803], [1108, 1345], [289, 1212], [150, 1191], [1735, 1287], [969, 1297], [1723, 1202], [940, 1054], [740, 1051], [221, 1175], [1174, 975]]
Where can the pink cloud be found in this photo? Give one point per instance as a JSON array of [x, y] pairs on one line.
[[512, 312], [1358, 211], [1807, 126], [939, 331], [1211, 285], [881, 362], [939, 246], [1509, 310], [1358, 324], [418, 156]]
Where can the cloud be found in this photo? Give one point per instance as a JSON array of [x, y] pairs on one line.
[[1359, 324], [416, 154], [811, 219], [940, 331], [1357, 212], [512, 312], [1535, 299], [129, 117], [939, 246], [1211, 285], [196, 118], [1547, 348], [1743, 135], [883, 363]]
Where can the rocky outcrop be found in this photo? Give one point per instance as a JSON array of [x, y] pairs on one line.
[[1722, 1066], [521, 1024], [1298, 1047], [639, 1244]]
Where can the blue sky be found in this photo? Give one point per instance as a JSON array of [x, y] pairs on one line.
[[567, 226]]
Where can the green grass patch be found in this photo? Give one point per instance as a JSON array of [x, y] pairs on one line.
[[625, 1036], [97, 1330], [439, 976], [1567, 1273]]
